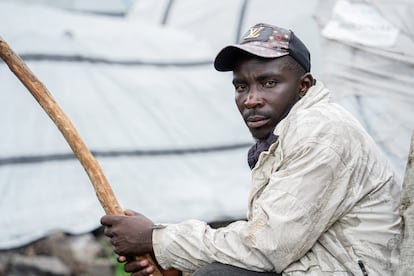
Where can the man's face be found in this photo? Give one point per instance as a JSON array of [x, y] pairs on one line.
[[265, 92]]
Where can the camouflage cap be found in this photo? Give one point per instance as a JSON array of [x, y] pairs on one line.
[[267, 41]]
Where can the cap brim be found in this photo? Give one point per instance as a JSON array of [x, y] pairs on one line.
[[228, 56]]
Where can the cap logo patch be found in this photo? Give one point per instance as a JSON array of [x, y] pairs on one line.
[[257, 33], [253, 33]]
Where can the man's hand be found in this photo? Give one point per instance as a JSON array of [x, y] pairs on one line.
[[143, 267], [136, 267], [130, 235]]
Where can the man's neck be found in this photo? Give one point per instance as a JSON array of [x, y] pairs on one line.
[[260, 146]]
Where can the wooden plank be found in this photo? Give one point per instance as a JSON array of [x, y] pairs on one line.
[[406, 265]]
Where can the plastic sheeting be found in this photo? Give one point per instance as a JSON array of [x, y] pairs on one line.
[[160, 120], [372, 78], [220, 23]]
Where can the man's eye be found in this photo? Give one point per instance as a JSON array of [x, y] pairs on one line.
[[269, 84], [240, 87]]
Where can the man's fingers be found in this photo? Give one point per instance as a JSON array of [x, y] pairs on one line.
[[144, 262], [108, 232], [105, 220], [109, 220], [144, 272], [129, 212], [139, 266], [122, 259]]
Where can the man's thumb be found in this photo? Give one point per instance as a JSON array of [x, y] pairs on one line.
[[130, 212]]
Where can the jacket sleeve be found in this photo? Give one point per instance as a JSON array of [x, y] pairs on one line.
[[288, 214]]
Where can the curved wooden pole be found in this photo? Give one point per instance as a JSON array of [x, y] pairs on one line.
[[42, 95]]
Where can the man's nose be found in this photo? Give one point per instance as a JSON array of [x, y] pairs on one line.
[[254, 99]]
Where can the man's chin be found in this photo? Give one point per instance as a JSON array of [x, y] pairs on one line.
[[260, 134]]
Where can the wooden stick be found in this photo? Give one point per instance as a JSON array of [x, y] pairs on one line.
[[42, 95]]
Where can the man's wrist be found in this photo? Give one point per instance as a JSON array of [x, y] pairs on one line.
[[159, 246]]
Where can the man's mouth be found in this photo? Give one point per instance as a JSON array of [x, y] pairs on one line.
[[256, 121]]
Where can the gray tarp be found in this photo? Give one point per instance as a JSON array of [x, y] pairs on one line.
[[146, 99], [373, 79]]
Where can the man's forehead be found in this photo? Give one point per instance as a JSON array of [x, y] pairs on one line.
[[258, 63], [255, 67]]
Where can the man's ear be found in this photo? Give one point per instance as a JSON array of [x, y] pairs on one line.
[[306, 81]]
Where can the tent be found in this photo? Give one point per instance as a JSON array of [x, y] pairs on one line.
[[368, 63], [156, 115]]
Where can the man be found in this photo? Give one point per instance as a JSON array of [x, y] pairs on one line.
[[323, 200]]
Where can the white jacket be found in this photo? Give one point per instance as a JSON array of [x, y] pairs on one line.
[[323, 198]]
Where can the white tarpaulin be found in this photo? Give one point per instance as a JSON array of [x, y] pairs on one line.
[[372, 75], [360, 23], [160, 120]]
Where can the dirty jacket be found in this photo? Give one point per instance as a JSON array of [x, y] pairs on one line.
[[323, 201]]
